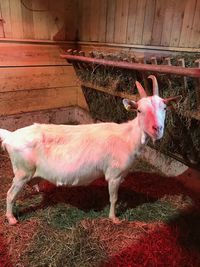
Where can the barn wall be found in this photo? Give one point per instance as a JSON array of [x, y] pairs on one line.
[[162, 23], [32, 75], [38, 19]]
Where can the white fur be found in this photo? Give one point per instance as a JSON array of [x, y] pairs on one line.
[[76, 155]]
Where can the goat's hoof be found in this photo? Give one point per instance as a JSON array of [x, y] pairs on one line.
[[12, 220], [116, 220], [36, 188]]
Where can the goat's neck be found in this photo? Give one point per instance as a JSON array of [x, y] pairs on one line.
[[137, 137]]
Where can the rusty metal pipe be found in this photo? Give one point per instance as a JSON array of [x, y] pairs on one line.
[[191, 72]]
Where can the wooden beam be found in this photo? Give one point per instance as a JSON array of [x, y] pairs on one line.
[[34, 100], [110, 90], [192, 72], [18, 79], [22, 54]]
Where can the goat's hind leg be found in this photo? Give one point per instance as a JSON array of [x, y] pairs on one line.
[[19, 181]]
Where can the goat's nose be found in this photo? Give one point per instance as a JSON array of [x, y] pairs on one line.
[[157, 128]]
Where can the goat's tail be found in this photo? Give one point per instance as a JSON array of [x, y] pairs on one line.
[[3, 135]]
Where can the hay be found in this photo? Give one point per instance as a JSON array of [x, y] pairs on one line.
[[182, 134], [106, 107], [69, 226]]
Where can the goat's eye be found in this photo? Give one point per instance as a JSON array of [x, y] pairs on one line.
[[165, 108], [139, 111]]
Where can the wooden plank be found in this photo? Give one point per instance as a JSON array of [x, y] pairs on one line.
[[187, 23], [94, 20], [1, 30], [102, 21], [148, 22], [195, 34], [110, 90], [121, 18], [16, 19], [16, 54], [131, 21], [27, 20], [177, 22], [84, 22], [110, 25], [16, 79], [98, 11], [79, 19], [197, 64], [158, 22], [2, 35], [5, 9], [167, 23], [139, 21], [34, 100], [146, 50], [41, 19], [70, 20], [63, 19], [57, 19]]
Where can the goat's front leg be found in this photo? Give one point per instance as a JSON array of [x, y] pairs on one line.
[[113, 186], [18, 183]]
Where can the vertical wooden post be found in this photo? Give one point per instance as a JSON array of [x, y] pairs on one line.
[[181, 62], [142, 60], [167, 61], [154, 61]]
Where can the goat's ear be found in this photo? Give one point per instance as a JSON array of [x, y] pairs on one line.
[[170, 100], [130, 104]]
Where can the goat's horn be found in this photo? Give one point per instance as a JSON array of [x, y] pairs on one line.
[[140, 89], [155, 84]]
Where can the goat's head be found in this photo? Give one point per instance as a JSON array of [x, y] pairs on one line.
[[151, 110]]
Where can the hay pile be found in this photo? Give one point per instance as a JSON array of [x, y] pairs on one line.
[[182, 134]]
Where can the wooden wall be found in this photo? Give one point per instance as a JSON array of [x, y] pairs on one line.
[[33, 77], [38, 19], [168, 23]]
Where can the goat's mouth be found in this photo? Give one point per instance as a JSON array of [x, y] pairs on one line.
[[155, 136]]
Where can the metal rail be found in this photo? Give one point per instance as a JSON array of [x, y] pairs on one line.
[[177, 70]]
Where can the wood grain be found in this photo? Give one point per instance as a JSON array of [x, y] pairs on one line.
[[177, 22], [33, 100], [110, 25], [195, 34], [158, 22], [131, 21], [168, 23], [16, 54], [1, 24], [27, 20], [121, 18], [186, 29], [139, 23], [23, 78], [16, 18], [148, 22]]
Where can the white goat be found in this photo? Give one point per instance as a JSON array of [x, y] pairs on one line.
[[77, 155]]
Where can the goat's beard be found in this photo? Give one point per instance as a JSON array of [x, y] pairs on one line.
[[154, 138]]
